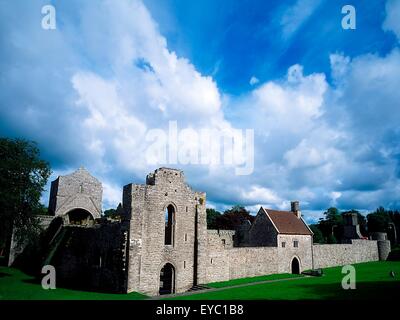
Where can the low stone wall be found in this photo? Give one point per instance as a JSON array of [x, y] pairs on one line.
[[330, 255], [226, 262], [219, 243], [231, 262], [252, 261]]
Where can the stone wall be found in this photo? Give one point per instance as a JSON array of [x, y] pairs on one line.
[[225, 262], [148, 253], [90, 258], [302, 252], [330, 255], [16, 248], [128, 256], [252, 262], [76, 190], [218, 255], [262, 232]]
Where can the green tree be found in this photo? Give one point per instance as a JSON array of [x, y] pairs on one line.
[[23, 176], [232, 218], [379, 220], [331, 239], [330, 225], [110, 212], [212, 216], [114, 213], [318, 237]]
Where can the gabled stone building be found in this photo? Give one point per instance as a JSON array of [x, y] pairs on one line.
[[162, 244], [76, 197]]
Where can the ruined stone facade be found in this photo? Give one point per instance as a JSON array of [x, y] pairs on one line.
[[165, 189], [162, 245], [76, 191]]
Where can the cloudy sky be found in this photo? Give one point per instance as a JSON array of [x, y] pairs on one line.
[[323, 102]]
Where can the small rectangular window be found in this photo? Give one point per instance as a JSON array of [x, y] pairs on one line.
[[184, 264], [295, 243], [283, 244], [211, 260], [223, 242], [185, 236]]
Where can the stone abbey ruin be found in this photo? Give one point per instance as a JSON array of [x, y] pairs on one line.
[[161, 243]]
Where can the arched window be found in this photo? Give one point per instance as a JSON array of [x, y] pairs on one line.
[[169, 225]]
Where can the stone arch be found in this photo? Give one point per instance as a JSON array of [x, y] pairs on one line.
[[170, 203], [79, 216], [169, 224], [167, 279], [295, 265]]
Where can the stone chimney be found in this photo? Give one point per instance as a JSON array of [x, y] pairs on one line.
[[295, 208]]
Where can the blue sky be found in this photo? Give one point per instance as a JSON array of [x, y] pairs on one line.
[[323, 101]]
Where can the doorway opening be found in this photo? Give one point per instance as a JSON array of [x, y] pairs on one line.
[[167, 279], [295, 266]]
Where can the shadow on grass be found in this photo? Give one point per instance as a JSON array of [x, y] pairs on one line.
[[374, 290], [73, 286], [3, 274], [32, 281]]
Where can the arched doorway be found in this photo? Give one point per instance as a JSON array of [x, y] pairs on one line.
[[80, 217], [295, 266], [167, 279]]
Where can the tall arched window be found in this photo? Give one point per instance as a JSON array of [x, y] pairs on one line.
[[169, 225]]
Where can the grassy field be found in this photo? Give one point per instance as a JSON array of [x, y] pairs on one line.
[[235, 282], [15, 285], [372, 282]]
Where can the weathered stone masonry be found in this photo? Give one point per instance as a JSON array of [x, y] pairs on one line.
[[162, 245], [148, 253], [217, 255]]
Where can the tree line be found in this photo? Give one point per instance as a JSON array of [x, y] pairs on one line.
[[329, 228]]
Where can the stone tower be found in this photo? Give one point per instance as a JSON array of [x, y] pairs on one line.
[[351, 228], [167, 234], [76, 197]]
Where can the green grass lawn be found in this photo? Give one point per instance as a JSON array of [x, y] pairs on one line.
[[372, 282], [15, 285], [235, 282]]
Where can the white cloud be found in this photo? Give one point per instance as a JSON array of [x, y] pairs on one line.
[[392, 20], [296, 101], [258, 193], [294, 16], [112, 195], [119, 79], [253, 81]]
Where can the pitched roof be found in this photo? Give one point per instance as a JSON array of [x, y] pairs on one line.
[[287, 222]]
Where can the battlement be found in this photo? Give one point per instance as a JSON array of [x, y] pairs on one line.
[[165, 175]]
